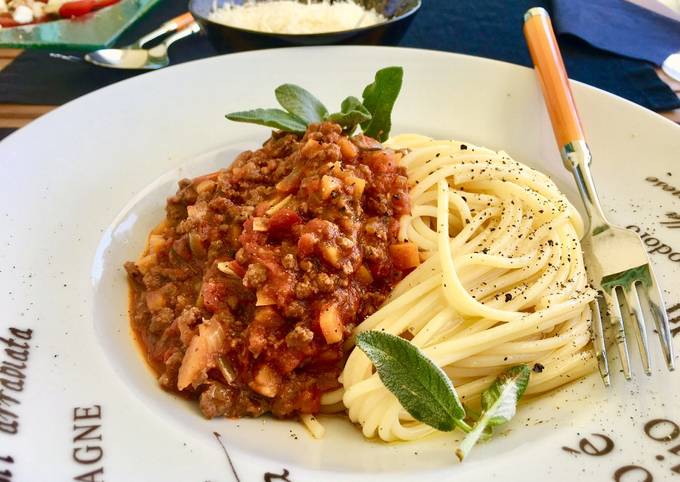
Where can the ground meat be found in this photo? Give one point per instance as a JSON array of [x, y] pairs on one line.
[[296, 309], [230, 294], [168, 379], [134, 274], [299, 337], [255, 276], [220, 400], [324, 282], [304, 289], [161, 320], [289, 261]]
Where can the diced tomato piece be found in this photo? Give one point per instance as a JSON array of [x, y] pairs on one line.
[[288, 360], [261, 208], [380, 161], [307, 243], [214, 295], [309, 401], [282, 221]]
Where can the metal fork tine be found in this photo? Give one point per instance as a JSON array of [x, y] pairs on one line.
[[656, 306], [598, 342], [615, 257], [616, 321], [638, 321]]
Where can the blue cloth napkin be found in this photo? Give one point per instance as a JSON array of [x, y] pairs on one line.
[[619, 26], [493, 28]]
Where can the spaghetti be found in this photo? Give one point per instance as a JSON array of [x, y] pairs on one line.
[[502, 282]]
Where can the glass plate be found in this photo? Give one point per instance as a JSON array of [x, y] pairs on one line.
[[89, 32]]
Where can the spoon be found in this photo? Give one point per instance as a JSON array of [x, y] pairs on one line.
[[135, 57]]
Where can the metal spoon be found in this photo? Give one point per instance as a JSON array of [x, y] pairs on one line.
[[138, 58], [176, 24]]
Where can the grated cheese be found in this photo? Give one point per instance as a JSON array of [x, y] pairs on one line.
[[292, 17]]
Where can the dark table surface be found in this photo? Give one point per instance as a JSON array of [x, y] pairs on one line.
[[28, 92]]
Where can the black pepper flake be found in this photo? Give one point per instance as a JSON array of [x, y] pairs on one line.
[[508, 297], [463, 147], [538, 368]]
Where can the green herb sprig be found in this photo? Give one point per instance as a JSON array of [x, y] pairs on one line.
[[373, 113], [499, 405], [425, 392], [421, 387]]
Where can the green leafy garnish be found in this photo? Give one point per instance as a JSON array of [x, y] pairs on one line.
[[352, 113], [300, 103], [274, 118], [302, 108], [424, 390], [379, 98], [499, 405], [421, 387]]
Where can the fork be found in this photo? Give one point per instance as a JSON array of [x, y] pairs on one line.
[[616, 261]]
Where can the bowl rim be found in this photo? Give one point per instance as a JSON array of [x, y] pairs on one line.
[[293, 36]]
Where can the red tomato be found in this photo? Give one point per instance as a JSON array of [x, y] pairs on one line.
[[282, 221], [214, 294]]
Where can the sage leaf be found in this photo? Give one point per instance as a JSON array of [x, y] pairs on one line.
[[274, 118], [379, 98], [499, 405], [300, 103], [473, 415], [302, 108], [421, 387], [352, 113]]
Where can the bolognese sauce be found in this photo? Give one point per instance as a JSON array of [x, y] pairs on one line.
[[259, 272]]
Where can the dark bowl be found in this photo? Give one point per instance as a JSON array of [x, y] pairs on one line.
[[224, 38]]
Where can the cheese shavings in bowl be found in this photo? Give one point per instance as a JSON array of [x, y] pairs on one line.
[[292, 17]]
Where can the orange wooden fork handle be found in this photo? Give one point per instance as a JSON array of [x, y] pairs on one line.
[[181, 21], [552, 76]]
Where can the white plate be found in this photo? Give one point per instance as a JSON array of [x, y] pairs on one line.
[[83, 185]]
